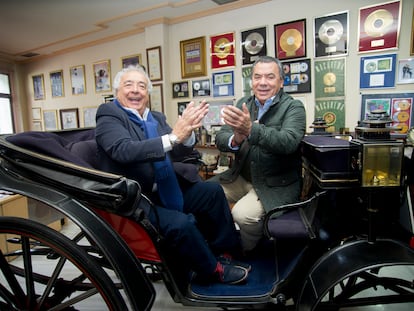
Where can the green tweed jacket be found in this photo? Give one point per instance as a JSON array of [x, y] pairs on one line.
[[272, 154]]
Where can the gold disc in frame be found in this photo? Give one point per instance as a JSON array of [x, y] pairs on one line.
[[290, 40], [378, 23], [222, 48]]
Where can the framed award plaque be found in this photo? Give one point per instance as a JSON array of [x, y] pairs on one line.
[[193, 57], [290, 39], [377, 71], [253, 45], [180, 89], [297, 76], [222, 50], [379, 27], [331, 35]]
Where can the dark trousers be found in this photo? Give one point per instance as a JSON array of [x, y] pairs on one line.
[[203, 231]]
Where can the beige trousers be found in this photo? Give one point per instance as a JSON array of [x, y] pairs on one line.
[[248, 212]]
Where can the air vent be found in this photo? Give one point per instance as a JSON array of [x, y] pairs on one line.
[[31, 54], [221, 2]]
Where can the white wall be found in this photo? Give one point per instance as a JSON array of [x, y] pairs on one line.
[[169, 37]]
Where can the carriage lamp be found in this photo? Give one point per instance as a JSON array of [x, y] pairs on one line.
[[380, 156]]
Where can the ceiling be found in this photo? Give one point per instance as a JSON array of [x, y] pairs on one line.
[[35, 29]]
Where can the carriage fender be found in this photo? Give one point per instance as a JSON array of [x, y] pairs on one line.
[[349, 259]]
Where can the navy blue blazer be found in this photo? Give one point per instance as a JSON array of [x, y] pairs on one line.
[[124, 149]]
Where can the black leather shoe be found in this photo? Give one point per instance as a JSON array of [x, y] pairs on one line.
[[229, 274], [228, 260]]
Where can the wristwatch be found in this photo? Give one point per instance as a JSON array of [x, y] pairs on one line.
[[173, 139]]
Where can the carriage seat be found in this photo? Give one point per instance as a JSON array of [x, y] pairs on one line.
[[294, 221], [86, 150]]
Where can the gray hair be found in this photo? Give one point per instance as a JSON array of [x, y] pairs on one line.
[[270, 59], [138, 68]]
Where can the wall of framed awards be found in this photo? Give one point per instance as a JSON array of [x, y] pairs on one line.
[[323, 49], [335, 54]]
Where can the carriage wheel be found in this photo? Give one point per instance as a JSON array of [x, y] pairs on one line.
[[71, 279]]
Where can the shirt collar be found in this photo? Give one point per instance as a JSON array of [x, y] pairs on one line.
[[263, 108], [135, 112]]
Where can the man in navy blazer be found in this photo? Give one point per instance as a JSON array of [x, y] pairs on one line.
[[194, 217]]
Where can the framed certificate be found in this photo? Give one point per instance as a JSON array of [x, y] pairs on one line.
[[56, 83], [193, 57], [38, 87], [77, 80], [156, 98], [154, 63], [223, 84]]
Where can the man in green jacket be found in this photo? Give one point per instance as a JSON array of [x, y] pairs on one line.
[[264, 131]]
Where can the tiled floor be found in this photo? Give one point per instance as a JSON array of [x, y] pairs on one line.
[[164, 302]]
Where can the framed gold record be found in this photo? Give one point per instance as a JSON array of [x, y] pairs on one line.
[[222, 50], [379, 27], [290, 39]]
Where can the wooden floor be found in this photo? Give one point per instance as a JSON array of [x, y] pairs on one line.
[[164, 301]]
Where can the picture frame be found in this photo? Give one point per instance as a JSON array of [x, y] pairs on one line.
[[290, 39], [377, 71], [405, 71], [298, 76], [69, 118], [193, 57], [77, 80], [223, 84], [89, 114], [247, 80], [50, 120], [374, 36], [102, 76], [254, 44], [154, 62], [38, 87], [412, 35], [398, 105], [180, 89], [222, 50], [213, 116], [156, 98], [131, 60], [56, 83], [37, 126], [201, 88], [36, 113], [330, 34], [329, 76], [181, 107]]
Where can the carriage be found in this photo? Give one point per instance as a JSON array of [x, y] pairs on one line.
[[346, 243]]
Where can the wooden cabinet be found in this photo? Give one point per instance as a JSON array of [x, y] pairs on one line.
[[12, 205], [20, 206]]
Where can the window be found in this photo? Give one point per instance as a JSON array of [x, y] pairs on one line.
[[6, 113]]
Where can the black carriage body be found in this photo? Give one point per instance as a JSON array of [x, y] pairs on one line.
[[285, 267]]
